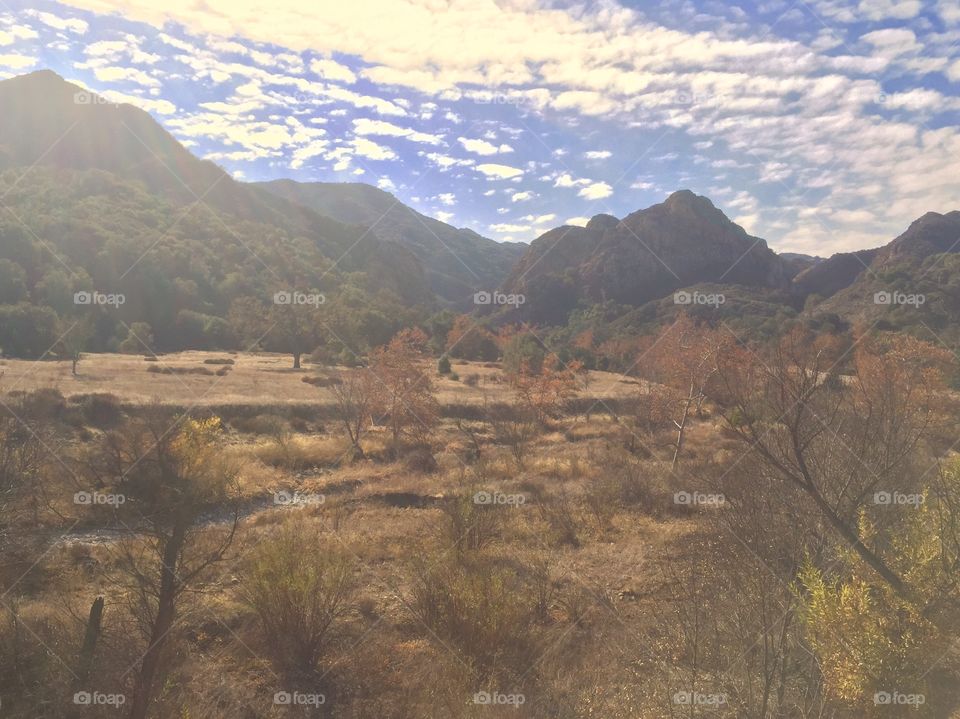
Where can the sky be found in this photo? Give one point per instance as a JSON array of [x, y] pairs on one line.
[[819, 125]]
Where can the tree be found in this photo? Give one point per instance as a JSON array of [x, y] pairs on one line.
[[837, 440], [467, 340], [353, 395], [139, 339], [293, 327], [26, 330], [169, 476], [545, 391], [684, 358], [13, 282], [75, 336], [404, 391]]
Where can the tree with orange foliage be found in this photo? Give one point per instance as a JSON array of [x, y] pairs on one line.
[[544, 392], [404, 393], [683, 360], [468, 340], [838, 441]]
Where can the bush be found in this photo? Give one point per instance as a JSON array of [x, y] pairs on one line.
[[468, 526], [298, 595], [443, 365], [486, 611], [100, 409]]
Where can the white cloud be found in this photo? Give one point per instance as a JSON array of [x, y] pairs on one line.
[[366, 126], [577, 221], [385, 183], [596, 191], [17, 61], [507, 227], [74, 25], [333, 70], [892, 9], [371, 150], [597, 154], [521, 196], [443, 216], [447, 198], [160, 107], [495, 171], [127, 74], [482, 147]]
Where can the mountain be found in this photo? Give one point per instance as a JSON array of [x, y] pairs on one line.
[[827, 277], [458, 262], [47, 121], [645, 256], [911, 284]]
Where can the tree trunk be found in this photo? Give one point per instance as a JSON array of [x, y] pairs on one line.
[[85, 658], [681, 428], [162, 624], [296, 360], [74, 368]]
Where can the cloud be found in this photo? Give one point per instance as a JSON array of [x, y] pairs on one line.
[[482, 147], [443, 216], [499, 172], [365, 126], [74, 25], [597, 154], [889, 9], [158, 106], [507, 227], [385, 183], [577, 221], [17, 61], [521, 196], [333, 70], [371, 150], [596, 191], [126, 74], [447, 198]]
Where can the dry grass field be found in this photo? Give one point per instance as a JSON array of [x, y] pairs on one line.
[[253, 378]]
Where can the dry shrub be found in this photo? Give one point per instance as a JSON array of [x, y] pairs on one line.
[[469, 526], [558, 509], [318, 381], [219, 360], [420, 460], [297, 595], [157, 369], [484, 610], [100, 409], [296, 453]]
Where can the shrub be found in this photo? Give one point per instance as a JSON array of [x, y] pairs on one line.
[[443, 365], [468, 526], [298, 595], [486, 611], [100, 409]]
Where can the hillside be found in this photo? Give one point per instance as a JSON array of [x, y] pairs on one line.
[[458, 262], [646, 256], [49, 122]]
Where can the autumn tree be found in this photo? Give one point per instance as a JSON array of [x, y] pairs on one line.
[[169, 476], [545, 391], [404, 395], [354, 393], [468, 340], [837, 440], [683, 359]]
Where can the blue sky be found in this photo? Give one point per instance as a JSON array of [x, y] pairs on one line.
[[821, 126]]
